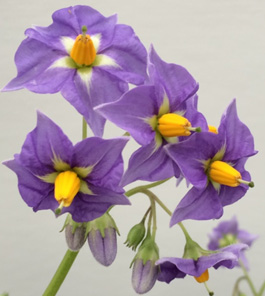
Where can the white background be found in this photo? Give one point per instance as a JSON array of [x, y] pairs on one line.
[[222, 44]]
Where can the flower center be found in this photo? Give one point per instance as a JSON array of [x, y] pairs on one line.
[[224, 174], [66, 186], [174, 125], [227, 239], [83, 51], [204, 277]]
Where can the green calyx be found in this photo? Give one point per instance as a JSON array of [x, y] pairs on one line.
[[148, 251], [135, 236], [102, 223], [194, 251], [74, 225]]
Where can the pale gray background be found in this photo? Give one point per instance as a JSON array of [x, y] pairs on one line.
[[222, 44]]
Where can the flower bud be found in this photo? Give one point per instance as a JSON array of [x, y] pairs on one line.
[[135, 235], [75, 234], [145, 272], [102, 239]]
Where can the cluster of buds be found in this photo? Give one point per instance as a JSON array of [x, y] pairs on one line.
[[100, 234]]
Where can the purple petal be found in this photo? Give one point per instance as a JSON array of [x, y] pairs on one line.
[[188, 155], [85, 95], [32, 59], [198, 204], [236, 250], [105, 157], [227, 257], [104, 249], [246, 238], [144, 276], [239, 140], [96, 23], [176, 80], [169, 272], [86, 207], [69, 21], [129, 53], [41, 146], [33, 191], [149, 164], [51, 80], [134, 108]]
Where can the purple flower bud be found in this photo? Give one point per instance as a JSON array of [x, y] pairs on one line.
[[103, 248], [144, 276], [75, 236]]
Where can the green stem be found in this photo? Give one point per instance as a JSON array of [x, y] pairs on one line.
[[236, 287], [140, 188], [153, 210], [262, 289], [250, 283], [60, 273], [145, 215], [165, 208], [185, 231], [84, 129], [211, 293]]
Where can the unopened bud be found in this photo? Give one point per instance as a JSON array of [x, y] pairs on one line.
[[144, 276], [75, 234], [145, 272], [102, 239], [104, 249], [135, 235]]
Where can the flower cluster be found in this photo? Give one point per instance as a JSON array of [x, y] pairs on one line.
[[91, 60]]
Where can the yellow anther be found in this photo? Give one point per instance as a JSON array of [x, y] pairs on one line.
[[83, 51], [204, 277], [212, 129], [223, 173], [66, 186], [173, 125]]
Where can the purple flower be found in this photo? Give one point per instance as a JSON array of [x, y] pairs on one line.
[[227, 233], [94, 69], [163, 111], [81, 179], [171, 267], [214, 164]]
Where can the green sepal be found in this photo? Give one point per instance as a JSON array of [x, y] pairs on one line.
[[193, 250], [102, 223], [71, 222], [148, 251], [135, 235]]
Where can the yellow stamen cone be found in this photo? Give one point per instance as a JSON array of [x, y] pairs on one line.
[[212, 129], [66, 186], [223, 173], [83, 51], [204, 277], [174, 125]]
